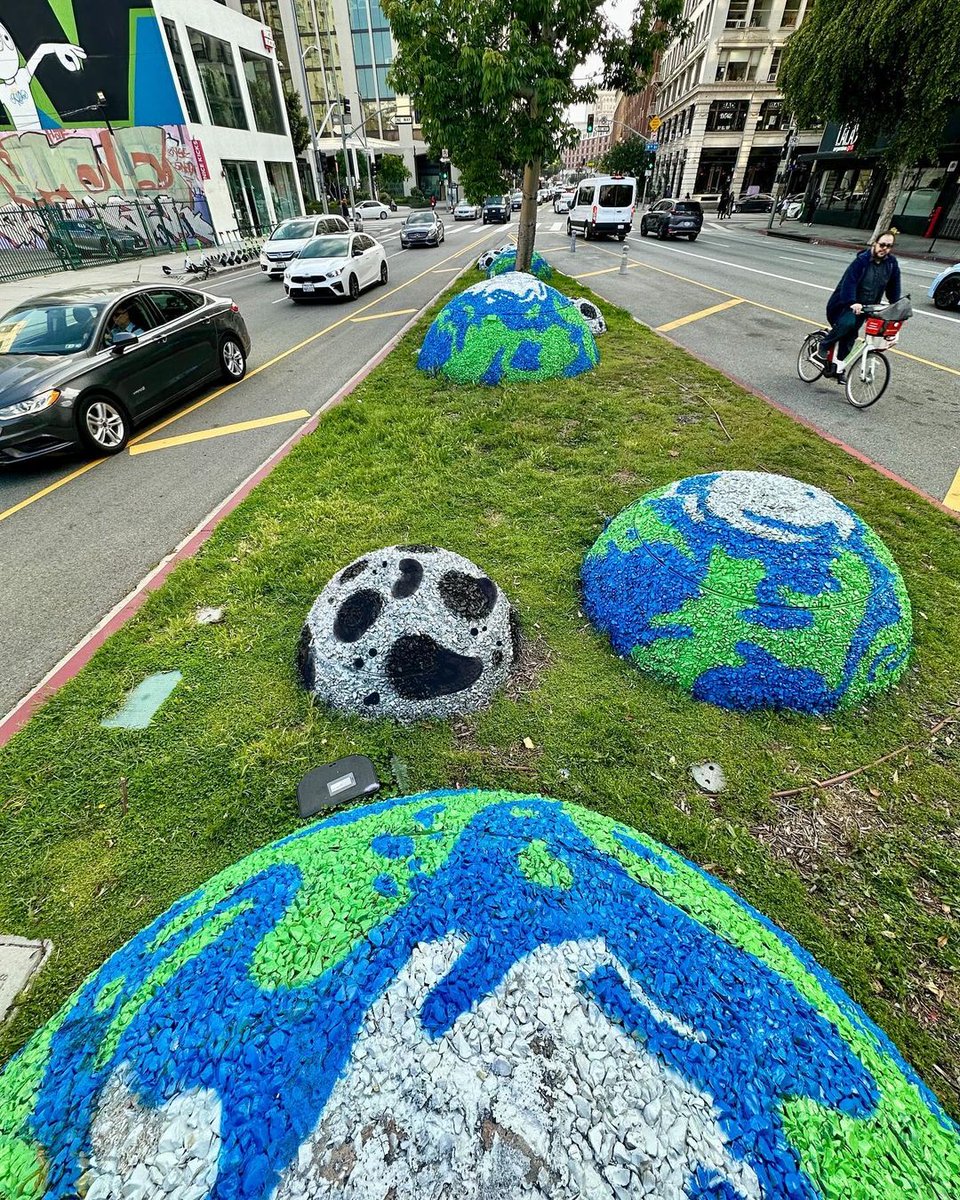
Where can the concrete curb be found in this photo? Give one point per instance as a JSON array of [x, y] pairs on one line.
[[815, 240], [74, 660]]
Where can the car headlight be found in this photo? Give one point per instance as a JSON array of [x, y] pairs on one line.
[[35, 404]]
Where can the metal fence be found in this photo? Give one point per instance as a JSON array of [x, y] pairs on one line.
[[48, 238]]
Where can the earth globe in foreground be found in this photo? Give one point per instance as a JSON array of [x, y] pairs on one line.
[[751, 590], [467, 994], [509, 328]]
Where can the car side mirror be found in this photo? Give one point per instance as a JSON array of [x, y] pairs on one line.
[[122, 341]]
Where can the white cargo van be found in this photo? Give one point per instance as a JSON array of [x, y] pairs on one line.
[[603, 205]]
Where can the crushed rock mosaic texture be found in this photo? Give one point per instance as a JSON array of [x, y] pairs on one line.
[[467, 994], [591, 314], [485, 261], [408, 632], [751, 590], [506, 261], [512, 327]]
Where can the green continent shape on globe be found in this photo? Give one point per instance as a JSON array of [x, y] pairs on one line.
[[541, 866], [638, 524], [483, 338], [903, 1150], [717, 626]]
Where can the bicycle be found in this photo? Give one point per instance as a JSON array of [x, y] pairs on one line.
[[191, 270], [865, 370]]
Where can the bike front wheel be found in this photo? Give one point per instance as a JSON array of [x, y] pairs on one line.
[[809, 367], [867, 379]]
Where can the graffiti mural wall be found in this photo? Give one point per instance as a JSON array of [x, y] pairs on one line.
[[89, 116]]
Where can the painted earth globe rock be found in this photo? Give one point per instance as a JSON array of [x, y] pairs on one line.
[[505, 329], [485, 261], [751, 590], [506, 261], [408, 632], [467, 994], [591, 314]]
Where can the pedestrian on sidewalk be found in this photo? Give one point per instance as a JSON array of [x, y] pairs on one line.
[[813, 203], [872, 273], [723, 209], [344, 209]]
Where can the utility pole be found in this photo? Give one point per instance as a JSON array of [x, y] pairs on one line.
[[312, 123]]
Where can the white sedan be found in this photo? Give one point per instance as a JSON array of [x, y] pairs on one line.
[[338, 265], [374, 209], [465, 211]]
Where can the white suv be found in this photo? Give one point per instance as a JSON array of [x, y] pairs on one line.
[[372, 208], [289, 238]]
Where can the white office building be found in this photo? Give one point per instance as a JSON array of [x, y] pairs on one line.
[[723, 117]]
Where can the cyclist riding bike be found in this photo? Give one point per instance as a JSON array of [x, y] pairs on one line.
[[873, 273]]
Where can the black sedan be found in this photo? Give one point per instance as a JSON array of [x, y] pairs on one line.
[[421, 229], [84, 367], [755, 202]]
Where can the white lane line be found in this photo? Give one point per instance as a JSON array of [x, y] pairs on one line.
[[797, 258]]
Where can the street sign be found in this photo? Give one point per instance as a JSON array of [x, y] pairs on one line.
[[444, 155], [404, 120], [652, 147], [655, 124], [603, 127]]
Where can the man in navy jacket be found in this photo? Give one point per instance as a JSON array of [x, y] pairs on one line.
[[871, 274]]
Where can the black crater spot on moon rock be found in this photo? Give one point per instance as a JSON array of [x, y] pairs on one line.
[[356, 614], [467, 596], [417, 548], [411, 573], [306, 664], [420, 669], [588, 311], [354, 570]]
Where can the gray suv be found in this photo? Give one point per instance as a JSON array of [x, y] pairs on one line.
[[673, 218]]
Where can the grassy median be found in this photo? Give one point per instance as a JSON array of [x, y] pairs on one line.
[[102, 829]]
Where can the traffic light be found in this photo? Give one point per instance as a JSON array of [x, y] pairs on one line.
[[589, 122], [345, 106]]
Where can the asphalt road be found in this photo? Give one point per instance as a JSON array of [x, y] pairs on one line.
[[74, 540], [744, 302]]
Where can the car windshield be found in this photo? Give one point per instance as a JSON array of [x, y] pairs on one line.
[[49, 328], [326, 247], [494, 200], [422, 218], [288, 231]]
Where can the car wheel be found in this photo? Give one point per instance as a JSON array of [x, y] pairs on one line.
[[383, 215], [621, 237], [443, 237], [353, 288], [233, 361], [104, 425], [587, 236], [693, 237], [644, 231], [947, 294], [663, 232], [384, 274], [569, 228]]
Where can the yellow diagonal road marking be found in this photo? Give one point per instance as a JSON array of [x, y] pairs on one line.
[[204, 435], [698, 316], [8, 512], [397, 312], [183, 412], [952, 498]]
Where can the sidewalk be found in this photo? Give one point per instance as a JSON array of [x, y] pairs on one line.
[[909, 245]]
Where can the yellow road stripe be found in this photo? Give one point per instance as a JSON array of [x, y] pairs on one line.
[[952, 498], [183, 412], [8, 512], [397, 312], [610, 270], [698, 316], [203, 435], [926, 362]]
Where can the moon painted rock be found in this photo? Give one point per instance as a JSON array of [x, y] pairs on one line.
[[508, 328], [469, 994], [506, 261], [751, 590], [408, 632], [485, 261], [591, 314]]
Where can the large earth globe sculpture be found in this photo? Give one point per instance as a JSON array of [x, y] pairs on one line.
[[751, 590], [471, 995], [408, 632], [509, 328], [506, 261]]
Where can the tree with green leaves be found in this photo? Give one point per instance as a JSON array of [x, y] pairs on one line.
[[392, 174], [891, 68], [629, 157], [493, 81], [299, 126]]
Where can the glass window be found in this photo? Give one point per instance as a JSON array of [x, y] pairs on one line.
[[218, 74], [264, 98], [129, 316], [760, 16], [772, 115], [584, 196], [736, 14], [49, 329], [726, 116], [920, 196], [774, 69], [791, 10], [174, 303], [180, 66], [283, 189], [246, 196], [293, 231], [326, 247], [616, 195]]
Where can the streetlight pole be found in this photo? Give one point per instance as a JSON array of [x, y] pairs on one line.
[[311, 121]]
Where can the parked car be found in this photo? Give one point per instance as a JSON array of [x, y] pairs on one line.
[[92, 238], [82, 368], [563, 200], [673, 218], [422, 228], [760, 202], [516, 200], [338, 265], [372, 209], [466, 211], [289, 238], [945, 289], [496, 208], [709, 201]]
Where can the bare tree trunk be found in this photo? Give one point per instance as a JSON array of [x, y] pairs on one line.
[[527, 233], [898, 179]]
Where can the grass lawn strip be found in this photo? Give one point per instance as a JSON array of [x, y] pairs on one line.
[[520, 479]]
